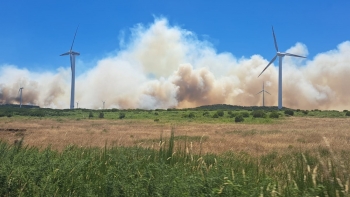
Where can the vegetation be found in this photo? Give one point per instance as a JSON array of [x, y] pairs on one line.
[[274, 114], [121, 115], [166, 171], [258, 114], [239, 118], [220, 113], [289, 112]]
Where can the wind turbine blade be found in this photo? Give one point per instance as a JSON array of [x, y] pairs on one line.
[[65, 54], [74, 38], [75, 53], [274, 58], [274, 39], [267, 92], [259, 92], [289, 54]]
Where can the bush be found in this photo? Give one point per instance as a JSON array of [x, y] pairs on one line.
[[206, 113], [345, 110], [191, 115], [305, 112], [229, 112], [121, 115], [289, 112], [239, 118], [156, 120], [91, 115], [274, 114], [347, 113], [156, 113], [215, 115], [232, 115], [259, 114], [245, 114], [220, 113], [102, 115]]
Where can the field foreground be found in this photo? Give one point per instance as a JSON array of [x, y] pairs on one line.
[[294, 156], [290, 133]]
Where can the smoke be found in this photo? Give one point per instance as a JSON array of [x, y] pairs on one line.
[[163, 66]]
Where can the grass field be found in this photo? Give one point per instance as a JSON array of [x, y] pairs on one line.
[[173, 153]]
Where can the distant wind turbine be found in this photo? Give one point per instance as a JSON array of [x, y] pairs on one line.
[[263, 92], [280, 55], [77, 104], [103, 104], [72, 55], [20, 96]]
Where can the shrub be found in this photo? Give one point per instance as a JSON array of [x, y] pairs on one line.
[[206, 113], [345, 110], [156, 120], [156, 113], [239, 118], [274, 114], [102, 115], [347, 113], [121, 115], [259, 114], [91, 115], [215, 115], [220, 113], [245, 114], [191, 115], [229, 112], [232, 115], [305, 112], [289, 112]]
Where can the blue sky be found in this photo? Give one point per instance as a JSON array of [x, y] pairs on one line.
[[34, 33]]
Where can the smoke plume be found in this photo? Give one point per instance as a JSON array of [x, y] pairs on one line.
[[165, 66]]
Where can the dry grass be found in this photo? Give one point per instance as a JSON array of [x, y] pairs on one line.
[[291, 133]]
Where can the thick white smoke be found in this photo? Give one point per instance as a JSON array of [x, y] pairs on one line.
[[165, 66]]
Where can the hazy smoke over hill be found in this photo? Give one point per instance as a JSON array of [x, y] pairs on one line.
[[164, 67]]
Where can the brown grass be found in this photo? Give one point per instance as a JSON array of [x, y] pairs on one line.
[[291, 133]]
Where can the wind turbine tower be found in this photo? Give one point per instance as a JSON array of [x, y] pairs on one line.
[[103, 104], [263, 92], [280, 56], [72, 55], [20, 96], [78, 104]]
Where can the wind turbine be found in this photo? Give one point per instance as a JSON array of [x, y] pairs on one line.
[[263, 92], [280, 58], [20, 96], [103, 104], [77, 104], [72, 55]]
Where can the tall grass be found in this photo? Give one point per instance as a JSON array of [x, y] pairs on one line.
[[165, 171]]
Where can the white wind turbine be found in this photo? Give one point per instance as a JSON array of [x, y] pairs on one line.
[[72, 55], [263, 92], [103, 104], [280, 57], [20, 96], [77, 104]]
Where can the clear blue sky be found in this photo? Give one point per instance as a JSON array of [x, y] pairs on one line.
[[34, 33]]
